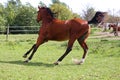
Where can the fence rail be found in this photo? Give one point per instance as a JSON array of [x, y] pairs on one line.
[[18, 30]]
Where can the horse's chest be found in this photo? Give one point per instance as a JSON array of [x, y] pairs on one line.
[[44, 32]]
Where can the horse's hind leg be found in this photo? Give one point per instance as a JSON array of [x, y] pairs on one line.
[[69, 48], [25, 55], [116, 33], [85, 48]]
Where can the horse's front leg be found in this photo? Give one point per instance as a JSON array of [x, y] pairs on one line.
[[40, 41], [28, 52]]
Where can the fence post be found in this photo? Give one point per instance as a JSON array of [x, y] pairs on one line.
[[7, 33], [117, 28]]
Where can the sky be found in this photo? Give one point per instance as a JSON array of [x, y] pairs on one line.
[[78, 5]]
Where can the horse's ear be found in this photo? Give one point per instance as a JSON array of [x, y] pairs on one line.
[[39, 7]]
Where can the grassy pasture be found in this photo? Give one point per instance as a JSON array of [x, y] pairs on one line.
[[102, 62]]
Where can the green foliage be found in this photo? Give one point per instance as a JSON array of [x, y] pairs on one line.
[[1, 9], [10, 12], [26, 16], [75, 15], [62, 11], [2, 29], [2, 16], [55, 1], [2, 21], [17, 14], [14, 13], [88, 13]]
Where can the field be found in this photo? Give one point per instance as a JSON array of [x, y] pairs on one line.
[[102, 62]]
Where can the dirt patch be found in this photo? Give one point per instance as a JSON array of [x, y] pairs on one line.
[[106, 35]]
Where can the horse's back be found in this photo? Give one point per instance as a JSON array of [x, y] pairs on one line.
[[62, 30], [81, 21], [79, 27], [79, 24]]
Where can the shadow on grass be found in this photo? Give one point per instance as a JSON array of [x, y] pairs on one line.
[[19, 62]]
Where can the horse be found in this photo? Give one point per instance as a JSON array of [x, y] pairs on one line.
[[60, 30], [115, 28]]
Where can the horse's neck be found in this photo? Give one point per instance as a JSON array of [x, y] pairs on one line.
[[46, 20]]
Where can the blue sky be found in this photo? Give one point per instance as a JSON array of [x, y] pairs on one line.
[[78, 5]]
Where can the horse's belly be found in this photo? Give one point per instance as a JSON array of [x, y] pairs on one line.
[[60, 37]]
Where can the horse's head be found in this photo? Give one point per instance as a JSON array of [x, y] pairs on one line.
[[40, 13], [44, 12]]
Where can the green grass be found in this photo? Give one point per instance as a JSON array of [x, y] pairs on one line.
[[102, 62]]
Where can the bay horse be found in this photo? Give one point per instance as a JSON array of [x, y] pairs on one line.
[[61, 30], [115, 28]]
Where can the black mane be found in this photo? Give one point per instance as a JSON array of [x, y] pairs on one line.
[[51, 13]]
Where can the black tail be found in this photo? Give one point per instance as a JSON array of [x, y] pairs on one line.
[[98, 18]]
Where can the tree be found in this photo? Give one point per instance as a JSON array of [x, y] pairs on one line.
[[62, 11], [2, 19], [75, 15], [10, 12], [26, 16], [88, 13], [19, 15], [55, 1], [42, 4], [112, 18]]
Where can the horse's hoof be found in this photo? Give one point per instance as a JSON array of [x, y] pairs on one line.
[[57, 63], [26, 61], [77, 62], [24, 56]]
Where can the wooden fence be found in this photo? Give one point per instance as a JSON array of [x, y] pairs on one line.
[[18, 30]]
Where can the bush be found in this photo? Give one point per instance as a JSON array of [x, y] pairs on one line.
[[2, 29]]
